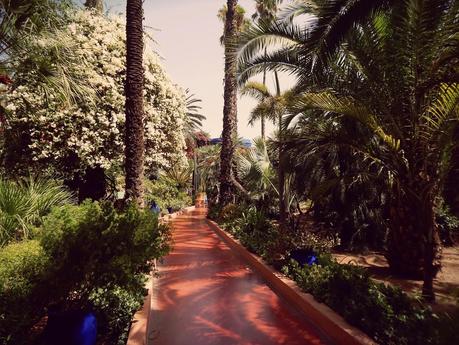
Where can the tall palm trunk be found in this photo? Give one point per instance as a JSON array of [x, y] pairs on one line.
[[97, 4], [414, 247], [134, 140], [281, 172], [229, 108], [263, 120]]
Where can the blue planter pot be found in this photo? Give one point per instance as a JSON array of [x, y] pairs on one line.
[[71, 328], [304, 256]]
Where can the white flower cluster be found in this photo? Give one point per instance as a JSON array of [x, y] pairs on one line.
[[92, 134]]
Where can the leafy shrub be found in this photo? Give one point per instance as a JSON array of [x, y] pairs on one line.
[[230, 213], [94, 244], [114, 307], [447, 223], [384, 312], [24, 203], [166, 194], [258, 233], [97, 258], [250, 225], [22, 267], [213, 211]]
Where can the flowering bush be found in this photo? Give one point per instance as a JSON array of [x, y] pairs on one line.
[[69, 136]]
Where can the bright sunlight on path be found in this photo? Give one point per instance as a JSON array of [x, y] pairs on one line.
[[207, 295]]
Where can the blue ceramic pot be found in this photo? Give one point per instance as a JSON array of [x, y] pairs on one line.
[[71, 328]]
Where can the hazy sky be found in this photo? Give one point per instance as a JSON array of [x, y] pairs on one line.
[[188, 40]]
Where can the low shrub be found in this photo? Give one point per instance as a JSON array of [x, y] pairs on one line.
[[448, 223], [384, 312], [114, 307], [213, 211], [22, 268], [258, 233], [93, 258], [251, 226], [166, 194]]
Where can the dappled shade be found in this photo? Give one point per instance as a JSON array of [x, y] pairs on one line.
[[208, 295]]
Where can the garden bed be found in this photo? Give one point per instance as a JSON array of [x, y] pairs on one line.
[[446, 285]]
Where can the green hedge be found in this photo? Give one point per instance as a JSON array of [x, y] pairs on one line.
[[87, 256], [384, 312], [22, 269]]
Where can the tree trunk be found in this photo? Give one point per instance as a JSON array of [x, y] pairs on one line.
[[134, 132], [96, 4], [414, 248], [229, 108], [281, 172], [263, 120]]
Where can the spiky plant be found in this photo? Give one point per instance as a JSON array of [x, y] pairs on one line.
[[24, 203], [256, 171]]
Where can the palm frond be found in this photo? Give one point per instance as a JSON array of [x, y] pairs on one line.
[[327, 102], [256, 90]]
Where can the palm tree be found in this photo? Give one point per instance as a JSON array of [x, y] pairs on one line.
[[230, 105], [274, 107], [242, 23], [266, 13], [257, 171], [134, 132], [392, 72]]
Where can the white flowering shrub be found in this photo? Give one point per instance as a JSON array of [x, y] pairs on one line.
[[46, 131]]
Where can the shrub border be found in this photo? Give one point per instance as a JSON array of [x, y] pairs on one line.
[[332, 324]]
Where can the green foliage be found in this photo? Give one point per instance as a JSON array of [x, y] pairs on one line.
[[22, 268], [24, 203], [89, 256], [447, 223], [250, 225], [21, 264], [193, 119], [384, 312], [258, 233], [166, 193], [94, 246], [114, 307], [213, 212]]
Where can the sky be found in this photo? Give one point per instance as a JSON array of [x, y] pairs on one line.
[[187, 36]]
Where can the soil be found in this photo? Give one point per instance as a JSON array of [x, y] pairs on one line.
[[446, 284]]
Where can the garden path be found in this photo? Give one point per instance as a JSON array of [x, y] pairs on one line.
[[206, 295]]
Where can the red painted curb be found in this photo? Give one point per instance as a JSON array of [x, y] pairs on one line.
[[332, 324]]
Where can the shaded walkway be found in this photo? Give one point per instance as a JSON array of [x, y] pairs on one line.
[[206, 295]]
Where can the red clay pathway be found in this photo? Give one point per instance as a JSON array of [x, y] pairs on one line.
[[206, 295]]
